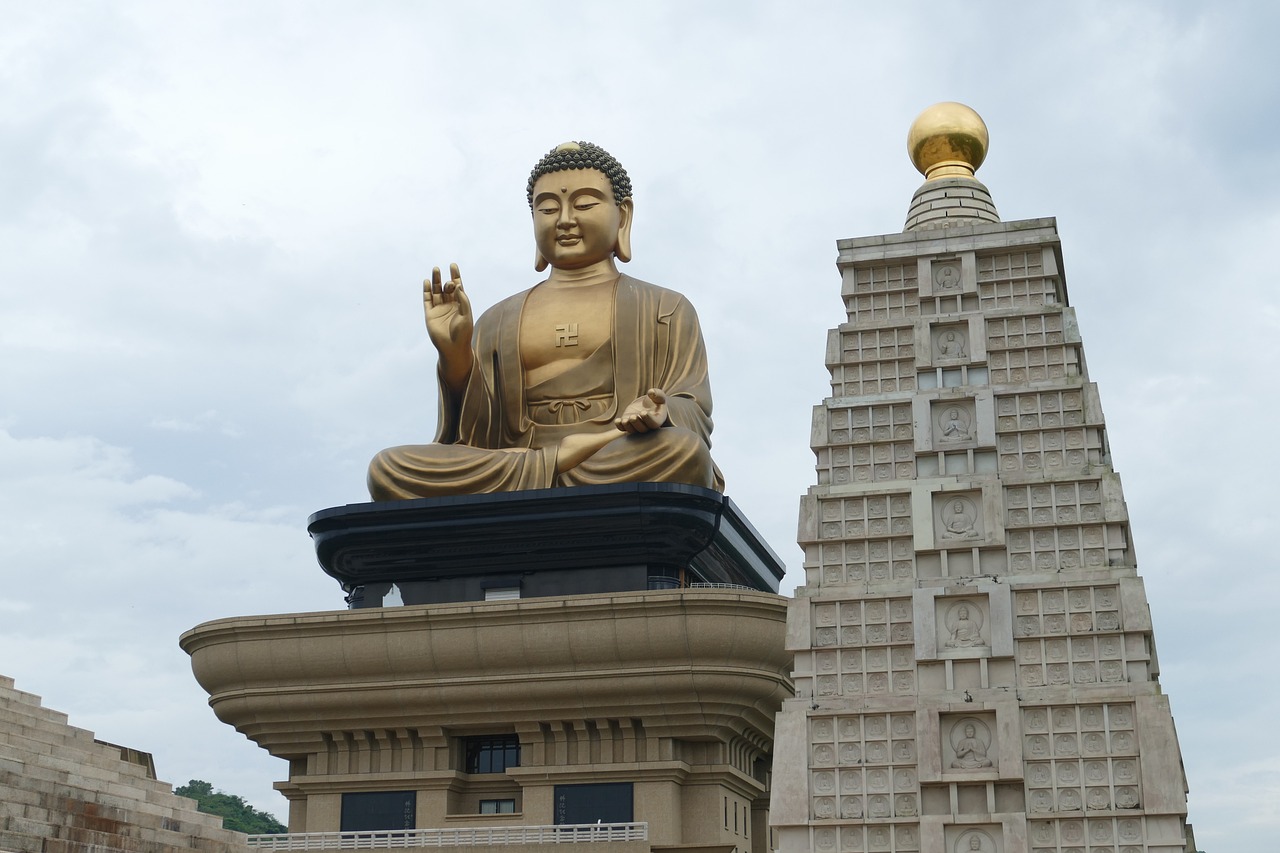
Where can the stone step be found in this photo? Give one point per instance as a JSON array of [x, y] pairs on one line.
[[141, 829], [10, 692], [10, 717], [16, 842], [88, 806], [30, 826], [102, 787], [15, 745], [80, 770], [17, 800], [29, 704], [63, 792]]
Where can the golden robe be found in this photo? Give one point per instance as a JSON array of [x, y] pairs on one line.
[[501, 436]]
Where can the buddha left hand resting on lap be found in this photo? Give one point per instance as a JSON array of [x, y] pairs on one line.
[[589, 377]]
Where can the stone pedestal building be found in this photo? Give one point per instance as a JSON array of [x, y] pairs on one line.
[[599, 665], [974, 664]]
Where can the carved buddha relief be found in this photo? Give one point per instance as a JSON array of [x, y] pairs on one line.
[[950, 342], [962, 623], [953, 422], [968, 743], [946, 277], [975, 841], [958, 517]]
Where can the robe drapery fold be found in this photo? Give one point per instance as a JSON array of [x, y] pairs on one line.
[[487, 441]]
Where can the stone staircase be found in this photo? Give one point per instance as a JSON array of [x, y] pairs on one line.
[[62, 791]]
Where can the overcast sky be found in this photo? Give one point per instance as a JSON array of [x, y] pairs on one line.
[[215, 218]]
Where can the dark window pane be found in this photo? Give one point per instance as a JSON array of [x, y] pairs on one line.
[[491, 753]]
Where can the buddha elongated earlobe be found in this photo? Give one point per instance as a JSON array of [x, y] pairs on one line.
[[539, 262], [622, 249]]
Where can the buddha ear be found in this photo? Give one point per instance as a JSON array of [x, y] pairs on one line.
[[539, 262], [622, 248]]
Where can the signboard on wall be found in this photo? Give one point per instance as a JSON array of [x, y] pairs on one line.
[[374, 810], [609, 802]]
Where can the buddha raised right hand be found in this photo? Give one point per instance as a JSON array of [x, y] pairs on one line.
[[449, 323]]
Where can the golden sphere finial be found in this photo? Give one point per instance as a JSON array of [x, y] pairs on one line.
[[948, 140]]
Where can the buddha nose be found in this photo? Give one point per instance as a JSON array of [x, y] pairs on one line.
[[567, 217]]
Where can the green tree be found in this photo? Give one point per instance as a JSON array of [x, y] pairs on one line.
[[235, 812]]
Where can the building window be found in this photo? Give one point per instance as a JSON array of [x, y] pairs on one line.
[[497, 807], [663, 578], [502, 593], [376, 810], [491, 753]]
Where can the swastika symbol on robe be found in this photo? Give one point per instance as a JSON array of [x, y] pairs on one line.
[[567, 335]]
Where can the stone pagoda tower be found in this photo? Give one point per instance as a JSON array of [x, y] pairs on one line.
[[974, 664]]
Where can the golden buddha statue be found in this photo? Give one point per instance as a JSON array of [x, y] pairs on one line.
[[589, 377]]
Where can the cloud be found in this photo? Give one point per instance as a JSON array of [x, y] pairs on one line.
[[107, 565]]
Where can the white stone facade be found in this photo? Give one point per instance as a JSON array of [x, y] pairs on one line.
[[974, 664]]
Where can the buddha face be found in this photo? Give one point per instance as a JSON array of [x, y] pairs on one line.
[[576, 222]]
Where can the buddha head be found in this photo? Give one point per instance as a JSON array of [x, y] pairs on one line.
[[580, 198]]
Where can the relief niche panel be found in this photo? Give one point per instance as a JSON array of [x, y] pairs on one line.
[[954, 422], [963, 624], [949, 423], [973, 839], [948, 276], [968, 743], [951, 342], [958, 518]]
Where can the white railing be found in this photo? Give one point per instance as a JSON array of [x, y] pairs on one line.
[[723, 586], [470, 837]]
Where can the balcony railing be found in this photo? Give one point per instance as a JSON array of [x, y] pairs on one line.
[[470, 837]]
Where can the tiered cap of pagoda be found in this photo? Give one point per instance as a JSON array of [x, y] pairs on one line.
[[947, 143]]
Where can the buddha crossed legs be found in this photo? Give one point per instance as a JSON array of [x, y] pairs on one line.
[[590, 377]]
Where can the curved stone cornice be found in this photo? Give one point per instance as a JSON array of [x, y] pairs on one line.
[[680, 660]]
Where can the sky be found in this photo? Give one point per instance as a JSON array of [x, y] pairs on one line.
[[215, 218]]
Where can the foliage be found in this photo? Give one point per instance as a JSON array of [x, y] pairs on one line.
[[236, 814]]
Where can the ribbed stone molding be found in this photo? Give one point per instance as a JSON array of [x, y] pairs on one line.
[[283, 680], [944, 202]]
